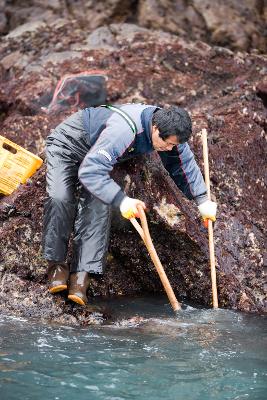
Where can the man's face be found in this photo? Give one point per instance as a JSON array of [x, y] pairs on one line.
[[163, 145]]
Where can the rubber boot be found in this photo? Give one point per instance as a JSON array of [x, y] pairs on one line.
[[58, 275], [79, 282]]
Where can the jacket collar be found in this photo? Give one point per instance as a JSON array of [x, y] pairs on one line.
[[146, 119]]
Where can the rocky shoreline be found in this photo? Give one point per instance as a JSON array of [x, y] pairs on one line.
[[224, 90]]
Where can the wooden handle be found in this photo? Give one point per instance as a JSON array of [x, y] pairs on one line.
[[210, 227], [145, 235]]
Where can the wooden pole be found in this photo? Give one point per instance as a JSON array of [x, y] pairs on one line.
[[210, 227], [145, 235]]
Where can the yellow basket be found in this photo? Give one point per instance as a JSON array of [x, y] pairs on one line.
[[16, 165]]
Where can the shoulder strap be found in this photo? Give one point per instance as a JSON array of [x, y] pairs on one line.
[[124, 115]]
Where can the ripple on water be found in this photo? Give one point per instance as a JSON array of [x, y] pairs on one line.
[[146, 354]]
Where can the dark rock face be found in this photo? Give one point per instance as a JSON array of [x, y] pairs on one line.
[[224, 92], [232, 23]]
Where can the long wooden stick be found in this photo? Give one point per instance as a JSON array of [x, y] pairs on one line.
[[145, 235], [210, 228]]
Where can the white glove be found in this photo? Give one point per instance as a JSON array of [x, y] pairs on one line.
[[208, 210], [128, 207]]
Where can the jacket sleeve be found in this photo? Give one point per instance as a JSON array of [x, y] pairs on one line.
[[94, 172], [182, 167]]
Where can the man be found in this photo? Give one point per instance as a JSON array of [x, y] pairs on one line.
[[83, 149]]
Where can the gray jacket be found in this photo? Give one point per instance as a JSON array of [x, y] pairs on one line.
[[112, 140]]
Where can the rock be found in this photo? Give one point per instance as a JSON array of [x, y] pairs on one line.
[[109, 37], [231, 23], [55, 5], [3, 23], [238, 25], [106, 37], [53, 58], [101, 38], [166, 15], [262, 91], [10, 60], [222, 90], [27, 27], [19, 14], [39, 304], [3, 18], [59, 57]]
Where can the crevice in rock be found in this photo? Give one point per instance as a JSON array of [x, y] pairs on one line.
[[262, 94], [259, 6], [4, 110], [122, 10], [133, 16]]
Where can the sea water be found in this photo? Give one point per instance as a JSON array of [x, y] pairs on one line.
[[144, 352]]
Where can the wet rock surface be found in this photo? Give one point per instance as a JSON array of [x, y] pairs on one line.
[[223, 90]]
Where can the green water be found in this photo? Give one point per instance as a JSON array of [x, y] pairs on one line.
[[202, 354]]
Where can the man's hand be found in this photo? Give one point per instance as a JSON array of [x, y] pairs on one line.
[[208, 210], [128, 207]]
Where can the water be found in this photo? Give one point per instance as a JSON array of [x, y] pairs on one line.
[[202, 354]]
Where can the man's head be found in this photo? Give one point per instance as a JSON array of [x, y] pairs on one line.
[[170, 126]]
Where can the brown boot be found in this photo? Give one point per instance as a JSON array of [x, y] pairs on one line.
[[79, 282], [58, 275]]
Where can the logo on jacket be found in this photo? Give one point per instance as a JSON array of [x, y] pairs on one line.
[[105, 153]]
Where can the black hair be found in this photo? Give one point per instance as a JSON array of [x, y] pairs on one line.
[[173, 121]]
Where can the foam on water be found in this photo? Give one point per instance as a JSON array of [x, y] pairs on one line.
[[145, 352]]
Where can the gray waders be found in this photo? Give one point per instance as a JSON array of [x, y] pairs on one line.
[[69, 207]]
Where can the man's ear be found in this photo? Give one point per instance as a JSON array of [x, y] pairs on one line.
[[155, 130]]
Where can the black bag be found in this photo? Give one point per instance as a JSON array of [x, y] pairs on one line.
[[86, 89]]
